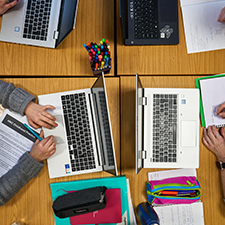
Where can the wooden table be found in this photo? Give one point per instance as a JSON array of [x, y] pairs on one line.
[[95, 20], [33, 204], [165, 60], [207, 174]]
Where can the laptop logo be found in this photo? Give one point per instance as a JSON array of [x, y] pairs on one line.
[[67, 168], [17, 29]]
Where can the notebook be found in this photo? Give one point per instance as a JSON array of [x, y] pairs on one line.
[[211, 96], [84, 141], [42, 23], [149, 22], [110, 214], [167, 127]]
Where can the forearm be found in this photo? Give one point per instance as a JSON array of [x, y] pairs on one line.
[[15, 99], [18, 176]]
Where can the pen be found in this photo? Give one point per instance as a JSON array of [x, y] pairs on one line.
[[37, 136]]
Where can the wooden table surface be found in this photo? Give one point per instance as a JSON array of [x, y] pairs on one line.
[[95, 20], [207, 174], [32, 205], [165, 60]]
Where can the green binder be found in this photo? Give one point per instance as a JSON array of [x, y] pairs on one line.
[[197, 83]]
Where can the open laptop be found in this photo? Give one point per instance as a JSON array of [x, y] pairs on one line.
[[42, 23], [149, 22], [84, 141], [167, 127]]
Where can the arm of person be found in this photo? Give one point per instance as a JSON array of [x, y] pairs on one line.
[[22, 102], [29, 165], [214, 140]]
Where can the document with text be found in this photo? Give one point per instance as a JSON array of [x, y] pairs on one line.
[[202, 31], [15, 140]]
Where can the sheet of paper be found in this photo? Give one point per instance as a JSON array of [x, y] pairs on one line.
[[195, 2], [185, 214], [202, 31], [131, 208], [212, 92], [160, 175], [14, 140]]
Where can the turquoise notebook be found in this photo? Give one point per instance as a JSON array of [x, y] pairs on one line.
[[58, 189]]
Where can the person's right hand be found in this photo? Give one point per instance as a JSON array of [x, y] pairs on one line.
[[5, 5], [214, 140], [42, 150], [221, 110], [221, 17]]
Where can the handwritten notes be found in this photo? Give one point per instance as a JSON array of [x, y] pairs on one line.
[[202, 31], [183, 214]]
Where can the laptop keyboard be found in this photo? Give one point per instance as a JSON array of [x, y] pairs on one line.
[[105, 120], [37, 19], [145, 15], [78, 132], [164, 128]]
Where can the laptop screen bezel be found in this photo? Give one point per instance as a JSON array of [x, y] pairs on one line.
[[100, 83]]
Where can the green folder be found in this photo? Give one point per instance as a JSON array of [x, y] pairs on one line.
[[197, 83], [58, 189]]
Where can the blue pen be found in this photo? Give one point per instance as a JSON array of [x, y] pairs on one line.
[[32, 132]]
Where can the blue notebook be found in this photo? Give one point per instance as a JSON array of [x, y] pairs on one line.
[[61, 188]]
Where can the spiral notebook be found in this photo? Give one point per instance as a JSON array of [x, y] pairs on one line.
[[211, 96]]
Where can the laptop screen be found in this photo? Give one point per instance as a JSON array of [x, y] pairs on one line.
[[66, 19], [104, 126], [139, 125]]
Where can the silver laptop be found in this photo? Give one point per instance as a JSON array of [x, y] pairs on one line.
[[84, 141], [167, 127], [42, 23]]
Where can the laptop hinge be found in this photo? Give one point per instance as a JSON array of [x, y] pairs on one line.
[[143, 101], [56, 34], [143, 154]]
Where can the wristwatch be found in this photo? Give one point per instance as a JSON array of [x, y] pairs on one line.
[[220, 165]]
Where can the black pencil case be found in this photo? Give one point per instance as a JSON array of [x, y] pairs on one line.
[[80, 202]]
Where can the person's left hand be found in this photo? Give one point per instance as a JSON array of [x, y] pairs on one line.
[[5, 5], [38, 117], [214, 140]]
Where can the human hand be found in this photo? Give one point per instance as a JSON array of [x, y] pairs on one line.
[[42, 150], [38, 117], [214, 140], [221, 17], [221, 110], [5, 5]]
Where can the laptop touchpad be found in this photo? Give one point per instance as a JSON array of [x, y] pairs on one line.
[[188, 133], [57, 132]]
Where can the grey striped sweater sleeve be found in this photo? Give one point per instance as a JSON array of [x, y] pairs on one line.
[[16, 99]]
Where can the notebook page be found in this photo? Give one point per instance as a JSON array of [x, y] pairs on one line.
[[202, 31], [212, 92], [185, 214], [160, 175], [195, 2]]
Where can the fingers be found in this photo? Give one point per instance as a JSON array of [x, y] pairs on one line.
[[10, 4], [205, 138], [221, 108], [215, 132]]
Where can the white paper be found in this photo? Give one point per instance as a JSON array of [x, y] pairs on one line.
[[212, 92], [131, 208], [183, 214], [13, 144], [202, 31], [160, 175]]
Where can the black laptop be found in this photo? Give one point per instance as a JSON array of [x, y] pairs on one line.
[[149, 22]]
